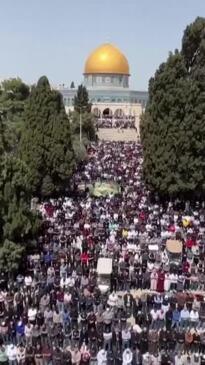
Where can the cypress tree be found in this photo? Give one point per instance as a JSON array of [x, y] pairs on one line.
[[81, 100], [72, 85], [45, 144], [173, 125], [18, 225]]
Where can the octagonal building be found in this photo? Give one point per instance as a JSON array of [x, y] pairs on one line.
[[106, 77]]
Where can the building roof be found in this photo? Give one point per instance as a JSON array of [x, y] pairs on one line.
[[107, 59]]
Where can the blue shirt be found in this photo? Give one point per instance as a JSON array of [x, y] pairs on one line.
[[20, 329], [176, 315], [47, 257]]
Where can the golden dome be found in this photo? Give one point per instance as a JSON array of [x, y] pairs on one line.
[[107, 59]]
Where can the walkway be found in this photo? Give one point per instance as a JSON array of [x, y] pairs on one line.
[[113, 134]]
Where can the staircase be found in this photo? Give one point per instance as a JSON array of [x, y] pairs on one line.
[[113, 134]]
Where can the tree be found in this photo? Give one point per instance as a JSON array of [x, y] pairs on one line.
[[88, 128], [81, 100], [18, 225], [173, 125], [46, 145], [13, 96], [79, 149], [72, 85], [10, 256], [82, 108], [15, 89]]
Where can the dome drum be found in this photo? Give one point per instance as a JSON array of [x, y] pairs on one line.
[[106, 81]]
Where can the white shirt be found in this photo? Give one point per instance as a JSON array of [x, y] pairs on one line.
[[11, 352], [67, 298], [154, 314], [179, 360], [102, 357], [64, 282], [32, 314], [150, 266], [127, 357], [28, 330], [70, 281], [28, 280], [161, 314], [194, 316], [113, 299]]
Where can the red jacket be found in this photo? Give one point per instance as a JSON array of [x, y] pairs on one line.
[[190, 243], [84, 257]]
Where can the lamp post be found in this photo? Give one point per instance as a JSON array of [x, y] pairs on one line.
[[80, 126], [81, 108]]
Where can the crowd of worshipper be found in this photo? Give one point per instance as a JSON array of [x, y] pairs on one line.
[[153, 311], [124, 122]]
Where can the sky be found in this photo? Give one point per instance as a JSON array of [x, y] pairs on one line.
[[54, 37]]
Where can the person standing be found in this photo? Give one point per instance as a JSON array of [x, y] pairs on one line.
[[4, 360], [38, 355], [11, 352], [160, 281]]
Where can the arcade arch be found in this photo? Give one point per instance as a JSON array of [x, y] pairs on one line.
[[107, 112]]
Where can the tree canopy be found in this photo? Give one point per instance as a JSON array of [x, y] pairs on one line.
[[15, 89], [39, 147], [13, 97], [173, 125], [82, 109], [46, 145], [88, 129], [72, 85], [18, 225], [81, 100]]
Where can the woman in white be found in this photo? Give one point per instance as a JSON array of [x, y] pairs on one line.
[[32, 314], [153, 278], [194, 318], [127, 357], [102, 357], [174, 280], [167, 282], [113, 299]]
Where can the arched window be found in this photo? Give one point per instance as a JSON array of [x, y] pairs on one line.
[[107, 112]]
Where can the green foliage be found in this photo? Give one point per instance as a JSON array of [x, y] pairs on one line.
[[15, 89], [47, 187], [88, 129], [81, 100], [173, 125], [79, 149], [18, 223], [193, 45], [13, 96], [10, 256], [46, 145]]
